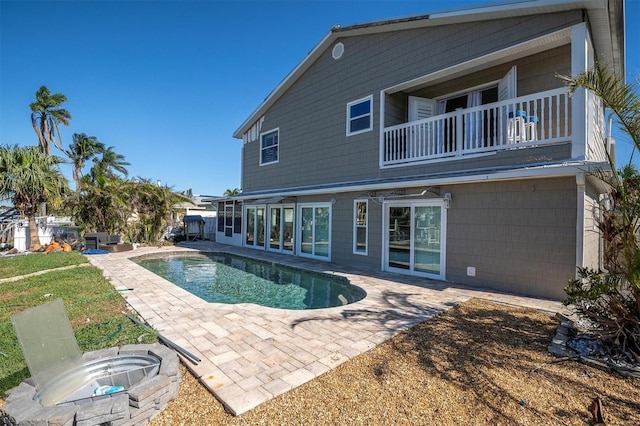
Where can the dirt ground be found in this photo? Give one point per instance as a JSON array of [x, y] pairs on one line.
[[477, 364]]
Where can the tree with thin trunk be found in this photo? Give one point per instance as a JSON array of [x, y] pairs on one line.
[[108, 165], [83, 149], [46, 116], [29, 177]]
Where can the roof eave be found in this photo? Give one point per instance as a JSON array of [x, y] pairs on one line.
[[285, 84], [607, 35]]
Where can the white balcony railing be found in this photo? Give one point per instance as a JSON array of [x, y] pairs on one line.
[[538, 119], [596, 143]]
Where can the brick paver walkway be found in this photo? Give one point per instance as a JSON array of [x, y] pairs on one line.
[[250, 353]]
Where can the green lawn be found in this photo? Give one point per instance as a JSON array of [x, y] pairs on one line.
[[22, 265], [95, 309]]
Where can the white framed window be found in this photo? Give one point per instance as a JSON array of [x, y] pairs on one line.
[[269, 147], [360, 116], [360, 223]]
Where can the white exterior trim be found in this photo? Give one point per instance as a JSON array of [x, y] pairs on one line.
[[349, 118], [276, 130], [298, 231], [556, 170], [581, 52], [440, 202], [245, 215], [268, 226]]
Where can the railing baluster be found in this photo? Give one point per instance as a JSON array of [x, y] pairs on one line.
[[566, 113], [484, 128]]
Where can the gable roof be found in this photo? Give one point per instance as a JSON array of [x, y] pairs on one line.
[[606, 20]]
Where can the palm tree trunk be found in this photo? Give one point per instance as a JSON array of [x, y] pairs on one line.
[[33, 232]]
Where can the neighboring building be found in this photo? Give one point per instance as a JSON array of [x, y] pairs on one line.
[[441, 146], [196, 207]]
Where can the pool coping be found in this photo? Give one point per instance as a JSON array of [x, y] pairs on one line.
[[250, 353]]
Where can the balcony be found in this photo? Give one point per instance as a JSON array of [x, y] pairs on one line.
[[528, 121]]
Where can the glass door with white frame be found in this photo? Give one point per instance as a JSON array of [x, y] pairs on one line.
[[275, 228], [287, 229], [315, 231], [281, 229], [414, 240], [254, 226]]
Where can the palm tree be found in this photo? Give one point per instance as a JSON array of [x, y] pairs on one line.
[[108, 164], [622, 99], [30, 177], [46, 115], [83, 149], [624, 102], [611, 300], [231, 192], [139, 209]]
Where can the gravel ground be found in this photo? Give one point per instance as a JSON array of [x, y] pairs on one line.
[[477, 364]]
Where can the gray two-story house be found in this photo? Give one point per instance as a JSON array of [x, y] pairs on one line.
[[442, 146]]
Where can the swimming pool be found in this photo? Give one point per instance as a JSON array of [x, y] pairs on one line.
[[225, 278]]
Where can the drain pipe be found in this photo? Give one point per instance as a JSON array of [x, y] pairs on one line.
[[191, 357]]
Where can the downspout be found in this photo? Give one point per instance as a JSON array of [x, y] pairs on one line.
[[297, 231], [381, 130], [580, 220]]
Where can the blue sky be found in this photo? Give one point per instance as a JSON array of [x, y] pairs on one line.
[[166, 83]]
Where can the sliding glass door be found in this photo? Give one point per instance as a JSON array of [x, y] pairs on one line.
[[414, 240], [281, 229], [254, 226], [315, 230]]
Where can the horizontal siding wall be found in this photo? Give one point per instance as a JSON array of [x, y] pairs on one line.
[[535, 73], [501, 159], [342, 215], [311, 115], [343, 233], [519, 235], [592, 236]]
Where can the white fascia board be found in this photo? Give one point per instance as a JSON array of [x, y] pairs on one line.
[[515, 8], [549, 171]]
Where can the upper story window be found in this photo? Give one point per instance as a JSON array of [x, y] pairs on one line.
[[359, 116], [269, 142]]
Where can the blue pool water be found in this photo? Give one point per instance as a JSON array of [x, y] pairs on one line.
[[224, 278]]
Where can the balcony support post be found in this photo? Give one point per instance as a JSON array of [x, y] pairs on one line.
[[581, 61]]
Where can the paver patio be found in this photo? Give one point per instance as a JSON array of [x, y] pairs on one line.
[[251, 353]]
